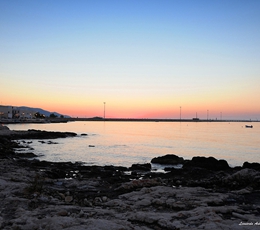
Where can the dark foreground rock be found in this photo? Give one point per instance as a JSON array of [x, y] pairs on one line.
[[45, 195], [141, 167], [253, 165], [168, 159], [210, 163], [39, 134], [33, 134]]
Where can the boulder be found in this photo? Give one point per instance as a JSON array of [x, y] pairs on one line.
[[2, 127], [5, 131], [141, 167], [26, 155], [39, 134], [169, 159], [254, 165], [242, 179], [209, 163]]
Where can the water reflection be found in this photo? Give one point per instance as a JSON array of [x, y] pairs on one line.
[[125, 143]]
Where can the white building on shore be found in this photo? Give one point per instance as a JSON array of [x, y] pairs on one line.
[[11, 112], [6, 112]]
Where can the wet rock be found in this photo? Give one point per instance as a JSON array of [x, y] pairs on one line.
[[141, 167], [39, 134], [2, 127], [7, 147], [52, 143], [168, 159], [253, 165], [27, 155], [209, 163]]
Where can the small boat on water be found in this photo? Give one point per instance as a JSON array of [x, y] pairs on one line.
[[249, 126]]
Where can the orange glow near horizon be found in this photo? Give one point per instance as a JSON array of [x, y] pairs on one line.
[[170, 111], [231, 103], [153, 108], [134, 110]]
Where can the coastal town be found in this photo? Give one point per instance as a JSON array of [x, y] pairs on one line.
[[10, 112], [14, 114]]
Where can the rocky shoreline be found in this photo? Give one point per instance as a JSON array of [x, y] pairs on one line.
[[204, 194]]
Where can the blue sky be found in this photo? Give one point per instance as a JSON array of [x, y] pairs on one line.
[[144, 58]]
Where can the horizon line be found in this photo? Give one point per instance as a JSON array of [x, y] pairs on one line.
[[158, 119]]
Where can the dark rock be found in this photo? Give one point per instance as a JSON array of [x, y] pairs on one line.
[[2, 127], [169, 169], [52, 143], [7, 147], [243, 178], [209, 163], [141, 167], [237, 168], [168, 159], [134, 173], [39, 134], [84, 134], [253, 165], [26, 155], [91, 146], [222, 165]]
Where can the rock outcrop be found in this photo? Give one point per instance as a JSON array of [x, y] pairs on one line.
[[169, 159], [209, 163], [39, 134], [253, 165]]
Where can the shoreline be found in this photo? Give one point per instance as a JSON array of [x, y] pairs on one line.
[[100, 119], [203, 194]]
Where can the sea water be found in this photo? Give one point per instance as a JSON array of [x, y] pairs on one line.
[[126, 143]]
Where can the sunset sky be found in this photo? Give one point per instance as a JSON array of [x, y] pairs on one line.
[[144, 58]]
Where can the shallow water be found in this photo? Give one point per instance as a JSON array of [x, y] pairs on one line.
[[125, 143]]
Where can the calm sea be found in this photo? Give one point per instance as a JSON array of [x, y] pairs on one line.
[[126, 143]]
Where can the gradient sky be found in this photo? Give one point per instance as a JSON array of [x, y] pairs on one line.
[[144, 58]]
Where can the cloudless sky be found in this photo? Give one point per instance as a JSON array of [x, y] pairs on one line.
[[144, 58]]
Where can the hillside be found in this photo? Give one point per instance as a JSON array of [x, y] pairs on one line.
[[41, 111]]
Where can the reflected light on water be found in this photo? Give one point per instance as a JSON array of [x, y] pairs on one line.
[[126, 143]]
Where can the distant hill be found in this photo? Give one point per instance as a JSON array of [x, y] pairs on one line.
[[41, 111]]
